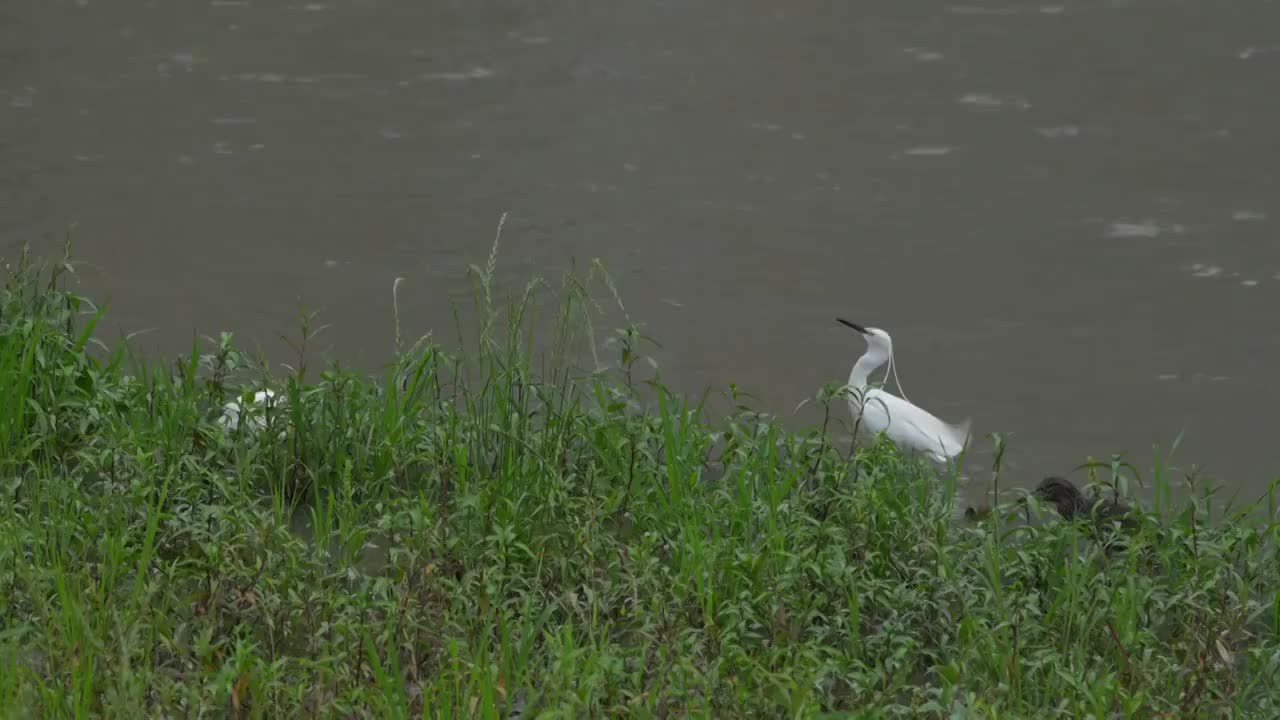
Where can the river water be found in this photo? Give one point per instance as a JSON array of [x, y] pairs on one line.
[[1065, 213]]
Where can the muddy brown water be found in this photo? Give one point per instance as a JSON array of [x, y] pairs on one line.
[[1066, 213]]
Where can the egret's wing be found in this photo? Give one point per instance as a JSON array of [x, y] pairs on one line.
[[949, 438], [920, 429], [870, 416], [961, 430]]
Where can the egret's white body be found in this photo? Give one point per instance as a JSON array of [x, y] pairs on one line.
[[913, 429], [232, 411]]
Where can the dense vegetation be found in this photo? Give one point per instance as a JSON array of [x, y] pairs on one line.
[[492, 532]]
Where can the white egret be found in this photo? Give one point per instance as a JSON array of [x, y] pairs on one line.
[[913, 429], [256, 411]]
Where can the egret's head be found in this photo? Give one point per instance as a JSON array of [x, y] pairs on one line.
[[875, 337]]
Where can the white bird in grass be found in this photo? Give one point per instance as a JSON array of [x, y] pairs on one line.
[[263, 400], [913, 429]]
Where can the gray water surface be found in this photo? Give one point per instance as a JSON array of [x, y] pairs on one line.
[[1065, 213]]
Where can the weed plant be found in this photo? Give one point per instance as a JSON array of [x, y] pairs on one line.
[[500, 530]]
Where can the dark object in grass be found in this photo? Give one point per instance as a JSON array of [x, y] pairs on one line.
[[980, 513], [1072, 504]]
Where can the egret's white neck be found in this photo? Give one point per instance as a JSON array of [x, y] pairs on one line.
[[877, 354]]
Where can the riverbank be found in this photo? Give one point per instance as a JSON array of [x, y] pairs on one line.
[[494, 532]]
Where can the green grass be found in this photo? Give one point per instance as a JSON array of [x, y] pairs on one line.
[[492, 532]]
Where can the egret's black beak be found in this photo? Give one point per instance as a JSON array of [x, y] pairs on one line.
[[853, 325]]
